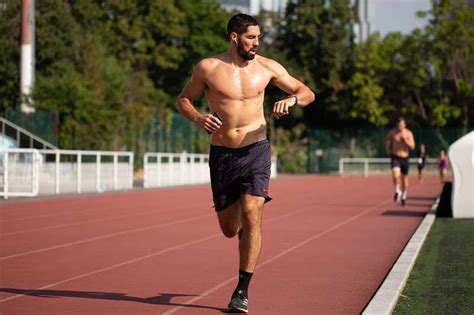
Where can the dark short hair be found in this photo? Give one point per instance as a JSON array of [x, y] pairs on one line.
[[239, 23]]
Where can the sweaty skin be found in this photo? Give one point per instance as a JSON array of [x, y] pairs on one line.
[[402, 141], [399, 142], [234, 83], [235, 89]]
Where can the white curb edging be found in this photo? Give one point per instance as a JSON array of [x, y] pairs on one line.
[[386, 298]]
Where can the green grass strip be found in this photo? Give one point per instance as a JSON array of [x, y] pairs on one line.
[[442, 280]]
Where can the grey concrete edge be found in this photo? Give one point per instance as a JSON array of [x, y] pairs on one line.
[[386, 297]]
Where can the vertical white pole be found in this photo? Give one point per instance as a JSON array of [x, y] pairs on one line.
[[58, 157], [171, 166], [193, 168], [183, 159], [36, 158], [5, 175], [145, 170], [158, 169], [79, 172], [115, 171], [366, 168], [131, 170], [27, 54], [341, 166], [97, 172]]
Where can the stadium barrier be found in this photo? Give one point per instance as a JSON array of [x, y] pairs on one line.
[[19, 172], [380, 166], [64, 171], [171, 169], [73, 171]]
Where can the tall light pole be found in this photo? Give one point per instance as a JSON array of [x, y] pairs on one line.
[[27, 63]]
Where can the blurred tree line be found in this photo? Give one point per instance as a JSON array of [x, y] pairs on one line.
[[107, 69]]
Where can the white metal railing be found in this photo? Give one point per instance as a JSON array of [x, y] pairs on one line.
[[74, 171], [66, 171], [171, 169], [19, 131], [19, 171], [378, 166]]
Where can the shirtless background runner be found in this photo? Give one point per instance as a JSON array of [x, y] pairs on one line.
[[398, 143], [234, 83]]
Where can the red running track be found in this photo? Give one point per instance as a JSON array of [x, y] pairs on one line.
[[328, 244]]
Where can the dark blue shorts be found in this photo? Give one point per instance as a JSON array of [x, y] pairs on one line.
[[401, 163], [237, 171]]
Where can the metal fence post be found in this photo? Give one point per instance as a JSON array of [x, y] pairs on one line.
[[5, 175], [97, 171], [115, 170], [79, 175], [131, 170], [58, 157]]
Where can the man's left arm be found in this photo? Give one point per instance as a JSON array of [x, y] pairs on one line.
[[409, 140], [300, 94]]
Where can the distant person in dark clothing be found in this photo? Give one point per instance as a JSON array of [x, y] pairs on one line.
[[421, 161]]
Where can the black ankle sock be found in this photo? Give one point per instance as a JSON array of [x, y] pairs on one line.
[[244, 281]]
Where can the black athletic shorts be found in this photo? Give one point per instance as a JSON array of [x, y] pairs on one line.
[[401, 163], [237, 171]]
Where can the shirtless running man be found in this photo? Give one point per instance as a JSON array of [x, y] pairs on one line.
[[240, 157], [398, 143]]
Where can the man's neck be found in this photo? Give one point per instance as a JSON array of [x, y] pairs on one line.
[[236, 60]]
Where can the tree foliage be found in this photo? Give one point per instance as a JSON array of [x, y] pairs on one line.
[[108, 69]]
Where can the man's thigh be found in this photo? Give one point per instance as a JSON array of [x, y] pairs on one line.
[[230, 218], [396, 172]]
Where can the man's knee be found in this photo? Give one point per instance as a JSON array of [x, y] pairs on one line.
[[229, 220], [251, 214], [229, 231]]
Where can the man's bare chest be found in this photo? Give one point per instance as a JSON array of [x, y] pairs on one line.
[[237, 84]]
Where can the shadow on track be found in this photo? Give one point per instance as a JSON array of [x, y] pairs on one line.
[[160, 299]]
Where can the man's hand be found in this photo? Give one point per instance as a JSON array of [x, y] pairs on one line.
[[209, 122], [281, 108]]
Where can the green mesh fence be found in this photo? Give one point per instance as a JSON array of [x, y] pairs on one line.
[[39, 123], [326, 146]]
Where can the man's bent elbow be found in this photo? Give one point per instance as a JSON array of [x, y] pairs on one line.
[[307, 99], [179, 104]]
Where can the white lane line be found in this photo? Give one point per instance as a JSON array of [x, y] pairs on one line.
[[283, 253], [103, 237], [135, 260], [111, 267], [84, 222]]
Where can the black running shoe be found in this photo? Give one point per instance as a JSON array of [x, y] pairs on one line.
[[395, 197], [238, 304], [404, 201]]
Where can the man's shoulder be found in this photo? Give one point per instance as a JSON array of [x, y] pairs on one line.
[[209, 63], [269, 63]]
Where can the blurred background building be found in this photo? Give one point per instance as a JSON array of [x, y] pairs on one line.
[[382, 16], [254, 7]]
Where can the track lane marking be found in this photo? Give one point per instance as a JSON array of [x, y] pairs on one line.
[[41, 250], [136, 260], [283, 253]]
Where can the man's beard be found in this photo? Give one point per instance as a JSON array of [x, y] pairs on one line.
[[242, 53]]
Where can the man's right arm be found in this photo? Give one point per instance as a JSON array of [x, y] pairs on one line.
[[190, 92], [388, 140]]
